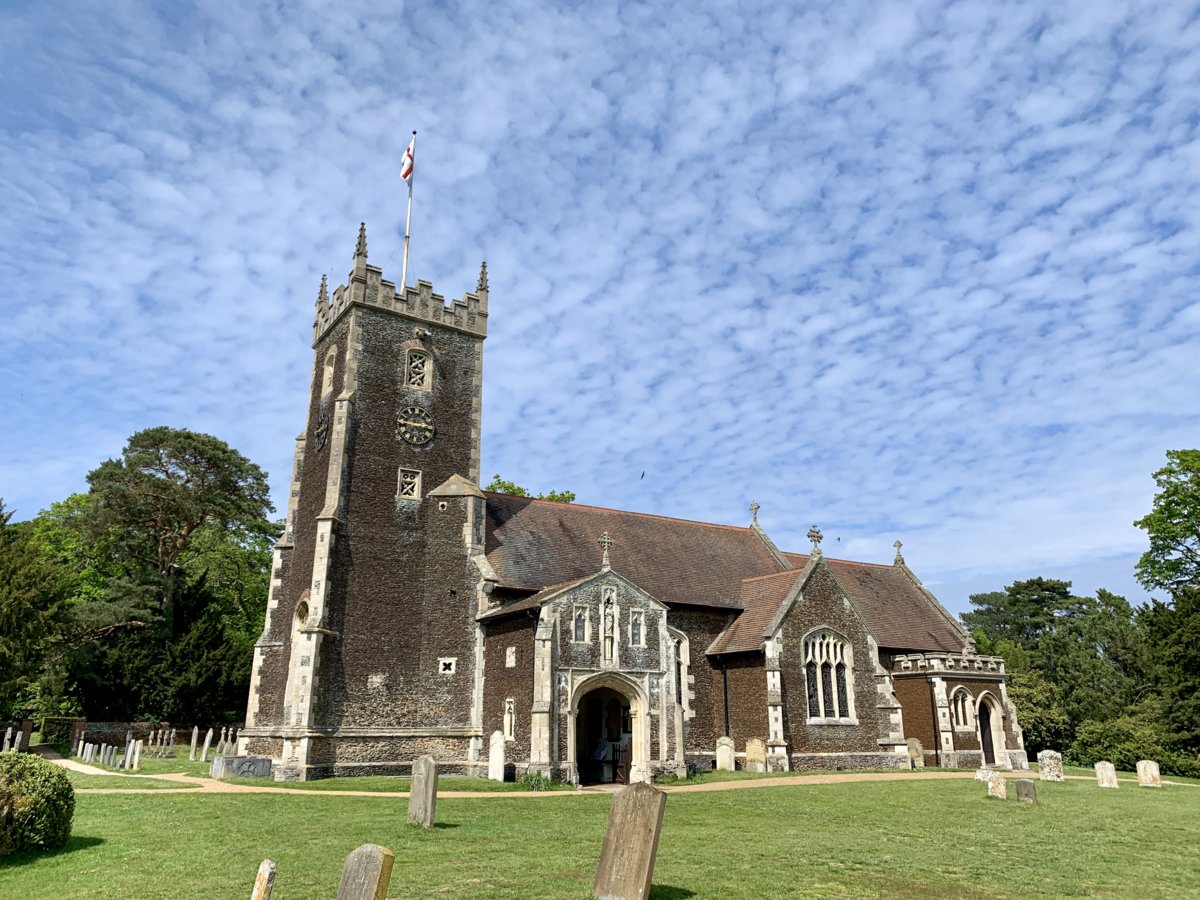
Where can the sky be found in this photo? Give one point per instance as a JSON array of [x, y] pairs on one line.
[[913, 270]]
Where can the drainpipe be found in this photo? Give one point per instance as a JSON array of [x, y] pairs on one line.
[[937, 735], [725, 693]]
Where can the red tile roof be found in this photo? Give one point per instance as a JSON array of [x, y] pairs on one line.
[[761, 598], [534, 543]]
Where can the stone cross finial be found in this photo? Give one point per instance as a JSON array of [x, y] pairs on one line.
[[814, 535], [482, 285], [754, 508], [898, 545], [360, 249], [605, 543]]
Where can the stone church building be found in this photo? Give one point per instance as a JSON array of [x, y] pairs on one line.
[[411, 612]]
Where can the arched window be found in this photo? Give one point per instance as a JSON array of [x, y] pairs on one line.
[[829, 677], [418, 370], [962, 708]]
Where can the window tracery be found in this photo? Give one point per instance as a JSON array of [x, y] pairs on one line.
[[828, 673], [962, 708], [418, 370], [408, 485]]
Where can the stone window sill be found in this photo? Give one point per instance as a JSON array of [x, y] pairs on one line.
[[812, 721]]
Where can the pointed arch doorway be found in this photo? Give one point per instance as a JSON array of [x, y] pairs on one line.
[[991, 730], [608, 745]]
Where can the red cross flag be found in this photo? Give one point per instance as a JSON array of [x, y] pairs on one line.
[[406, 167]]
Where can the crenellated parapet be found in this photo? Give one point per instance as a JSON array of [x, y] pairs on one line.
[[948, 662], [366, 286]]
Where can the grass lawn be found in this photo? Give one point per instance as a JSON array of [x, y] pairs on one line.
[[937, 839], [79, 780]]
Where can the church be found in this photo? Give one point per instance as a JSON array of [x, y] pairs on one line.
[[411, 612]]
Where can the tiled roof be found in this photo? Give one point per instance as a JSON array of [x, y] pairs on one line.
[[534, 543], [761, 598]]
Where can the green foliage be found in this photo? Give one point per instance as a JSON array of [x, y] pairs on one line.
[[1022, 612], [168, 484], [1173, 526], [37, 803], [536, 781], [1141, 734], [32, 591], [58, 729], [1173, 629], [1044, 722], [503, 486]]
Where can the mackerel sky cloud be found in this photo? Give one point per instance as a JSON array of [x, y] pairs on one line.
[[918, 270]]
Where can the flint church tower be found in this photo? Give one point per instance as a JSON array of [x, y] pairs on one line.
[[370, 655]]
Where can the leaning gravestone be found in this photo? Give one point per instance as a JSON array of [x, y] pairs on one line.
[[997, 786], [1148, 774], [207, 742], [79, 750], [192, 758], [916, 754], [725, 756], [1026, 790], [496, 757], [264, 883], [630, 843], [756, 755], [422, 793], [366, 874], [1106, 774], [1050, 766]]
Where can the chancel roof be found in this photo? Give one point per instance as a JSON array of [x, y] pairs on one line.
[[540, 546]]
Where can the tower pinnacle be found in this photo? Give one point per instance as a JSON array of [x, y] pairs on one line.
[[482, 285], [360, 248], [323, 293]]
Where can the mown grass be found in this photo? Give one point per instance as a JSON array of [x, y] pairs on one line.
[[79, 780], [938, 839]]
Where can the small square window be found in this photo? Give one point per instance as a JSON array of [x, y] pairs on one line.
[[447, 665], [408, 485]]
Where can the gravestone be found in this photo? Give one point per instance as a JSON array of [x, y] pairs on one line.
[[916, 754], [192, 758], [1148, 774], [1050, 766], [264, 882], [221, 747], [1026, 790], [422, 793], [137, 755], [207, 741], [725, 756], [226, 767], [496, 757], [983, 774], [756, 755], [630, 843], [127, 759], [1106, 774], [997, 786], [79, 750], [171, 745], [150, 740], [233, 732], [8, 738], [366, 874]]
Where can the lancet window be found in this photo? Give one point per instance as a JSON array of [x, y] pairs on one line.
[[828, 676]]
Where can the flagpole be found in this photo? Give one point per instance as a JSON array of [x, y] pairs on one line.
[[408, 220]]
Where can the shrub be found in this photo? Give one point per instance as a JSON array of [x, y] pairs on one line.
[[59, 729], [36, 804], [536, 781]]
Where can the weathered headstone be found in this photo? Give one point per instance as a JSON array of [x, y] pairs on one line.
[[631, 843], [366, 874], [192, 758], [1050, 766], [137, 755], [127, 759], [222, 746], [151, 741], [422, 793], [496, 757], [1148, 774], [207, 741], [82, 743], [264, 883], [1026, 790], [8, 738], [997, 786], [1106, 774], [725, 755], [171, 746], [916, 754], [226, 767], [756, 755]]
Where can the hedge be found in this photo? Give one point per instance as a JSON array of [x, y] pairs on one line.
[[37, 804]]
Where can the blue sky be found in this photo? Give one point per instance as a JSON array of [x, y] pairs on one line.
[[916, 270]]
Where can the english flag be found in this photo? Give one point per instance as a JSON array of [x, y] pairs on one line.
[[406, 167]]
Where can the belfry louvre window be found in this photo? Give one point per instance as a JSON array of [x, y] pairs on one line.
[[827, 676], [408, 485], [418, 370]]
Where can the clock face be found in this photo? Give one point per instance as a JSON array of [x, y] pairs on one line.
[[414, 425]]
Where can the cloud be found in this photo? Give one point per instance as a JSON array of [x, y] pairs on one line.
[[914, 270]]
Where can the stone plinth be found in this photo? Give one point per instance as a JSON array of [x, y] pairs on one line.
[[1026, 790], [1050, 766], [1148, 775], [226, 767], [1106, 774], [725, 754], [422, 794], [756, 755], [997, 786], [630, 844]]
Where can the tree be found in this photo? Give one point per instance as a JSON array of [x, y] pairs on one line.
[[1173, 635], [1173, 526], [169, 483], [1022, 612], [502, 486], [32, 589]]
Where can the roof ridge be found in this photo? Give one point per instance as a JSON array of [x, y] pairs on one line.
[[623, 512], [851, 562], [793, 572]]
